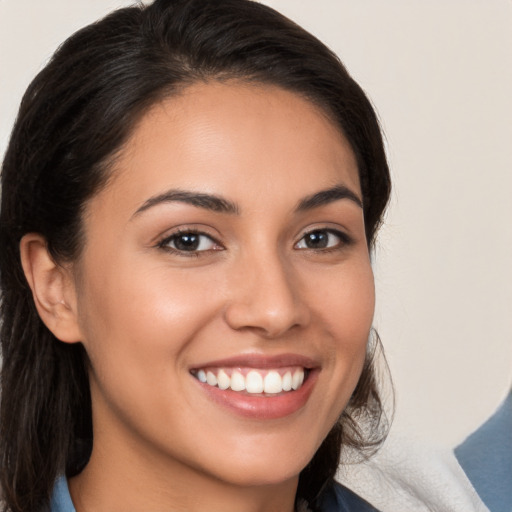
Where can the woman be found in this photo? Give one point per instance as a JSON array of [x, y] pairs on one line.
[[190, 196]]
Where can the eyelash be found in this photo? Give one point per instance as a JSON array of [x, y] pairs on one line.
[[343, 241]]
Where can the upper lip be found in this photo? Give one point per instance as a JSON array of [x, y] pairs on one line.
[[261, 361]]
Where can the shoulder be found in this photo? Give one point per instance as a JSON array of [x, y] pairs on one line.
[[61, 499], [486, 457], [338, 498]]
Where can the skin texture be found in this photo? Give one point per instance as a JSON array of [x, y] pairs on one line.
[[147, 315]]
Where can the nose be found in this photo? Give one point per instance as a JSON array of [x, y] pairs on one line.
[[266, 297]]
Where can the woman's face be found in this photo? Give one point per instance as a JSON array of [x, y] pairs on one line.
[[230, 246]]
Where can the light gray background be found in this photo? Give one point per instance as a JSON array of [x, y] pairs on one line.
[[440, 75]]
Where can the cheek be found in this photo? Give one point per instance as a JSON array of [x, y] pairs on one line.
[[137, 334], [355, 316], [142, 317], [347, 307], [346, 301]]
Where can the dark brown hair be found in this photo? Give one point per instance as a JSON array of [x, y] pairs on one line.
[[74, 117]]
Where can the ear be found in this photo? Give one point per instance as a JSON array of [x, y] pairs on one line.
[[52, 287]]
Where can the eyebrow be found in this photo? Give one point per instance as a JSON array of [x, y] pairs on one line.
[[327, 196], [219, 204], [207, 201]]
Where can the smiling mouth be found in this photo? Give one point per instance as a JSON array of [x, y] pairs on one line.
[[254, 381]]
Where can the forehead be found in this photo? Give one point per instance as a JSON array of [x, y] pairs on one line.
[[229, 138]]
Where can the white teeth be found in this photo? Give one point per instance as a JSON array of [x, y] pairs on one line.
[[297, 379], [237, 381], [287, 381], [223, 380], [254, 382], [272, 383], [211, 379]]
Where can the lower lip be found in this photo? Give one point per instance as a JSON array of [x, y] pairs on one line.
[[261, 407]]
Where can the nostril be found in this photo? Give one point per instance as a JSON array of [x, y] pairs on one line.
[[266, 323]]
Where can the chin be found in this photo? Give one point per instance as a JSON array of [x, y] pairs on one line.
[[272, 466], [256, 476]]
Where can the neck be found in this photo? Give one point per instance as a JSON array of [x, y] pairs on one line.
[[123, 481]]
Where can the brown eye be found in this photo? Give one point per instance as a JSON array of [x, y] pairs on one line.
[[317, 240], [322, 239], [189, 242]]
